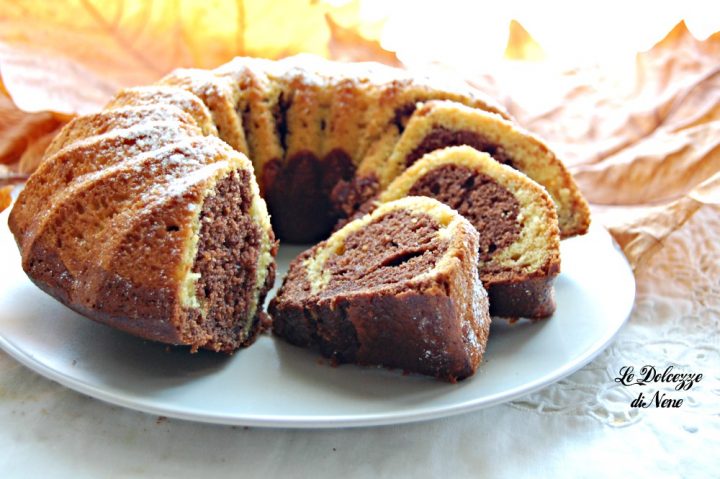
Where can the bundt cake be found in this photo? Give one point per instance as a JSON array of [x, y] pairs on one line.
[[155, 230], [397, 288], [519, 247], [437, 124], [138, 211]]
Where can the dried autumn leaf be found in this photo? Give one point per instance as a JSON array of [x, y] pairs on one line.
[[521, 45], [346, 44], [278, 29], [19, 130], [646, 141], [33, 154], [676, 144], [69, 56], [663, 166], [675, 151], [642, 230], [5, 198], [39, 82], [9, 176], [589, 114]]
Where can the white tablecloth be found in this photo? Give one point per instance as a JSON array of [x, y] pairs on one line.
[[582, 426]]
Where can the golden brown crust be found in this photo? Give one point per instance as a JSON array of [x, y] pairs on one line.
[[136, 298], [49, 183], [114, 241]]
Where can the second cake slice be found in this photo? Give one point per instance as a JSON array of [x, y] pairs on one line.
[[397, 288], [519, 234]]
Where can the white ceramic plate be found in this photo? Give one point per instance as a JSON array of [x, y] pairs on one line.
[[277, 385]]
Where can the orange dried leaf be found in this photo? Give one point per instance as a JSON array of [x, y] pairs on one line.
[[521, 45], [590, 114], [662, 167], [633, 138], [5, 198], [642, 230], [347, 44], [9, 176], [70, 55], [278, 29], [33, 154], [38, 82], [19, 130]]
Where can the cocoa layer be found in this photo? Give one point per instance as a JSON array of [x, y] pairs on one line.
[[298, 194], [394, 248], [348, 197], [441, 137], [491, 209], [402, 115], [227, 257], [533, 298]]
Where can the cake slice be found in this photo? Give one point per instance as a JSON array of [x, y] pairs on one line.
[[438, 124], [519, 247], [388, 115], [397, 288], [261, 108], [398, 99]]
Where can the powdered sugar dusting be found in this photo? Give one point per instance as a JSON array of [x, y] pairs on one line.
[[145, 136], [201, 83], [159, 94], [127, 116]]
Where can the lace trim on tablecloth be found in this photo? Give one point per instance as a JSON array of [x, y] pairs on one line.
[[675, 321]]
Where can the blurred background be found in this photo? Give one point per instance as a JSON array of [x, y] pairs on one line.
[[112, 43], [626, 92]]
